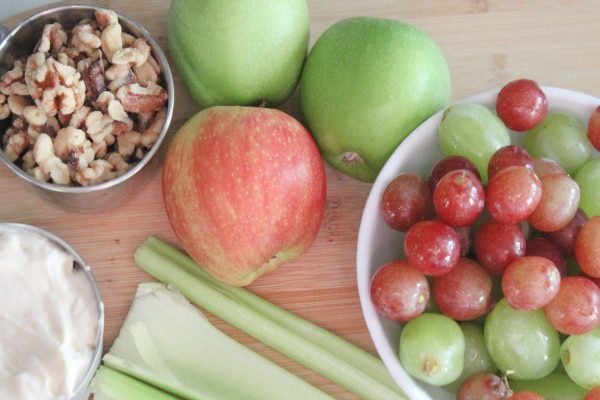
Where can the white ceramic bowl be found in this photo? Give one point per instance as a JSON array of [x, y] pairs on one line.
[[378, 244]]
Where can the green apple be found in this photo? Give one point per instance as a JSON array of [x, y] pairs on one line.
[[231, 52], [367, 83]]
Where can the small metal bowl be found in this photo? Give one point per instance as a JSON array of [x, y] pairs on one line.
[[82, 391], [21, 41]]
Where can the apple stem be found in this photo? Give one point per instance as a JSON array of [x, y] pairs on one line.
[[351, 157]]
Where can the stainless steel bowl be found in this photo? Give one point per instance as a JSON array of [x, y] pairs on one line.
[[21, 41], [82, 391]]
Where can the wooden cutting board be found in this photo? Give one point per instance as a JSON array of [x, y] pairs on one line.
[[487, 43]]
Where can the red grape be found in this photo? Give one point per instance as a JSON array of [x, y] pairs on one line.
[[399, 292], [591, 278], [545, 166], [593, 130], [530, 282], [593, 394], [405, 200], [465, 293], [565, 238], [465, 238], [587, 247], [558, 204], [459, 198], [539, 246], [432, 247], [509, 156], [484, 386], [575, 309], [447, 164], [497, 245], [521, 104], [512, 194], [526, 395]]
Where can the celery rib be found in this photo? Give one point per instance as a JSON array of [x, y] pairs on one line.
[[306, 343], [110, 384], [169, 344]]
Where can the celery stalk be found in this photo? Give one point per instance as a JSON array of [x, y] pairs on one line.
[[109, 384], [306, 343], [168, 343]]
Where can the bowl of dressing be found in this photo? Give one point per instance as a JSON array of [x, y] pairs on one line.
[[51, 317]]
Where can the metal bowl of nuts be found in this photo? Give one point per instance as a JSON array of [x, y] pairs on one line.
[[86, 99]]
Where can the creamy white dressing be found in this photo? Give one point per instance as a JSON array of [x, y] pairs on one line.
[[48, 319]]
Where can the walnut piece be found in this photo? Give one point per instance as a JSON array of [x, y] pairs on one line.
[[142, 99], [49, 165], [54, 86]]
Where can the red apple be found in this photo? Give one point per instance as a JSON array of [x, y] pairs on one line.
[[244, 190]]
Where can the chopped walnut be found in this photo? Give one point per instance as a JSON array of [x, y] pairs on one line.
[[78, 118], [5, 110], [85, 39], [150, 135], [50, 166], [103, 100], [135, 55], [98, 171], [85, 106], [34, 116], [53, 38], [111, 40], [99, 126], [13, 81], [108, 104], [106, 18], [100, 149], [65, 58], [38, 122], [128, 56], [73, 148], [92, 72], [17, 103], [54, 86], [117, 112], [16, 145], [142, 99], [119, 76], [127, 39], [147, 72], [128, 142], [120, 165], [28, 161]]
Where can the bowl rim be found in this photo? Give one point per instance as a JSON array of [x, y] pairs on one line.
[[82, 387], [168, 81], [364, 268]]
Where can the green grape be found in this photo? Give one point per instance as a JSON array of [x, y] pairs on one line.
[[432, 348], [561, 137], [588, 179], [472, 131], [477, 358], [554, 386], [521, 343], [580, 355]]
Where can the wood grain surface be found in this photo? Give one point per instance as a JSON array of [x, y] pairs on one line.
[[486, 43]]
